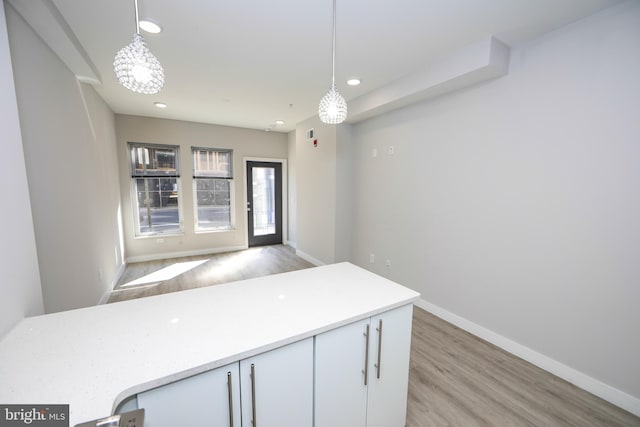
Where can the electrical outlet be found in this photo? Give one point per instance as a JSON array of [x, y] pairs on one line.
[[391, 150], [387, 264], [372, 258], [374, 152]]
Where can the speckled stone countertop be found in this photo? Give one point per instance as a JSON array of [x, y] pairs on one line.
[[95, 357]]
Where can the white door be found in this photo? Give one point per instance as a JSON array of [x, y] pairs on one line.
[[389, 368], [208, 399], [277, 387], [340, 390]]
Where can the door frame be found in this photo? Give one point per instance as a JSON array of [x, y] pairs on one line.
[[285, 196]]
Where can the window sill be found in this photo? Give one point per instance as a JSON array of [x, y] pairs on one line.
[[157, 236], [222, 230]]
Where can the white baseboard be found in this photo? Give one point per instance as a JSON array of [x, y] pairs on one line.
[[577, 378], [104, 298], [114, 282], [305, 256], [153, 257]]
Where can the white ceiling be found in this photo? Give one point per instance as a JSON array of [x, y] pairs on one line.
[[248, 63]]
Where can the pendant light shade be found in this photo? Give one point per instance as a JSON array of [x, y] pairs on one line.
[[136, 67], [333, 107]]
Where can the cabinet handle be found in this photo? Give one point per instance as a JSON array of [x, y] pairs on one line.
[[253, 394], [377, 365], [365, 371], [230, 391]]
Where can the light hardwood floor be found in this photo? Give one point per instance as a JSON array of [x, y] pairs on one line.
[[455, 378], [207, 270]]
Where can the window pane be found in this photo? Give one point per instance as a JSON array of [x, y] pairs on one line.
[[264, 201], [213, 203], [209, 162], [157, 205], [153, 160]]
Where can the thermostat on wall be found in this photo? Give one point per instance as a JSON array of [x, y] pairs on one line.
[[310, 134]]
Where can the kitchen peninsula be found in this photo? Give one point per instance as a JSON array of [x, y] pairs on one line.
[[95, 358]]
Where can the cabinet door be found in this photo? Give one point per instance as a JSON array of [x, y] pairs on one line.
[[201, 400], [389, 368], [277, 387], [340, 390]]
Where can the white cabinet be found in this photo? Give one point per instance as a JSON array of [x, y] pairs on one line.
[[208, 399], [362, 372], [277, 387], [341, 396], [353, 376], [389, 368]]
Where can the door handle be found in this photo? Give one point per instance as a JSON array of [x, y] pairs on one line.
[[230, 391], [377, 365], [253, 394], [365, 371]]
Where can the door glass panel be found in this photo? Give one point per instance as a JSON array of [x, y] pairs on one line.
[[264, 201]]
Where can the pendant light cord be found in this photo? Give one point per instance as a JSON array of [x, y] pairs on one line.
[[135, 2], [333, 61]]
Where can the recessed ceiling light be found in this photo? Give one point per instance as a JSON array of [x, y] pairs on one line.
[[160, 104], [267, 130], [279, 122], [150, 27], [353, 82]]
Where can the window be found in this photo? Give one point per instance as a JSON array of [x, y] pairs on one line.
[[212, 186], [155, 175]]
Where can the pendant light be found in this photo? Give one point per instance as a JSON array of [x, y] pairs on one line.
[[333, 107], [135, 66]]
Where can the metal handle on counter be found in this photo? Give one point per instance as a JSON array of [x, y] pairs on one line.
[[253, 394], [377, 365], [366, 356], [230, 390]]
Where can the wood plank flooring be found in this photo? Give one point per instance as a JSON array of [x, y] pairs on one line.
[[455, 379], [207, 270], [458, 379]]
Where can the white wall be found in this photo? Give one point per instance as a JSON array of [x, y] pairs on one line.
[[20, 292], [323, 182], [244, 142], [69, 147], [315, 180], [292, 196], [344, 222], [516, 204]]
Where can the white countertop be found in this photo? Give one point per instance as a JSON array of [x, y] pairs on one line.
[[95, 357]]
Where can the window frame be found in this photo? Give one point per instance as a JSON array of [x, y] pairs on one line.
[[135, 211], [196, 177]]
